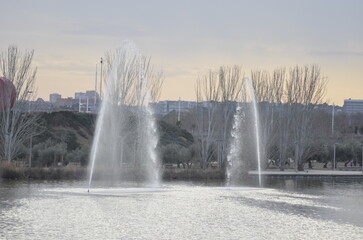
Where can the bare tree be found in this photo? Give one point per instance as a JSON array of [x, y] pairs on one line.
[[134, 71], [155, 84], [261, 81], [282, 116], [287, 102], [18, 125], [208, 94], [305, 89], [230, 83], [216, 93]]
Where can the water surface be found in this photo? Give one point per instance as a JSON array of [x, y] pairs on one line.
[[288, 209]]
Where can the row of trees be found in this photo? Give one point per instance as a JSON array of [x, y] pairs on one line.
[[216, 93], [50, 153], [291, 125], [17, 124], [287, 100]]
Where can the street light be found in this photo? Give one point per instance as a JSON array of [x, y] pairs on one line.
[[362, 158], [95, 100], [296, 154], [29, 92], [335, 144], [332, 120], [101, 77], [30, 151]]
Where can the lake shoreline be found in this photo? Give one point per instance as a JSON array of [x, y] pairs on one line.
[[11, 172]]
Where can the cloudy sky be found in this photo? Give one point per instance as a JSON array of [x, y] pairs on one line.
[[186, 38]]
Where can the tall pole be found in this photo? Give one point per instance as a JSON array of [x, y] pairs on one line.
[[296, 155], [101, 77], [7, 145], [332, 134], [334, 156], [362, 159], [179, 111], [79, 104], [30, 150], [221, 153], [95, 100], [332, 120], [28, 92]]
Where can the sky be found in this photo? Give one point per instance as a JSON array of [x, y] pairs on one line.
[[187, 38]]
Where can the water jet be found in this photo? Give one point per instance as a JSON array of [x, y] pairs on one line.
[[125, 139], [245, 149]]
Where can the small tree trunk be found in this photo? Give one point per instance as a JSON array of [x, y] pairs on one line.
[[300, 166]]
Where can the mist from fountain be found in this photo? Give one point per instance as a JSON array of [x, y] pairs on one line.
[[245, 153], [123, 149]]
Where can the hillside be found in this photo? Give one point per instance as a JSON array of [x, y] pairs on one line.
[[67, 137]]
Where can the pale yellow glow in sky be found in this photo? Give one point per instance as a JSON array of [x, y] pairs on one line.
[[187, 38]]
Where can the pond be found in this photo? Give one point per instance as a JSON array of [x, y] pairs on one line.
[[284, 208]]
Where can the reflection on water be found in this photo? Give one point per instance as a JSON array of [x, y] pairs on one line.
[[286, 208]]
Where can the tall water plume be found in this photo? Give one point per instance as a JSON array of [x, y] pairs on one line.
[[245, 153], [123, 148]]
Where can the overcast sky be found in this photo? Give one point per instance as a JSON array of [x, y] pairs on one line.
[[186, 38]]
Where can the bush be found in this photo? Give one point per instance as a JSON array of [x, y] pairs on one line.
[[170, 134], [48, 153], [193, 174], [71, 141], [80, 155], [10, 171], [174, 153]]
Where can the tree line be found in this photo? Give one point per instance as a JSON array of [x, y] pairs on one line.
[[292, 124], [295, 124]]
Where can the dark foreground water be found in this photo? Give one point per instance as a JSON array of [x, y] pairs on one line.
[[285, 209]]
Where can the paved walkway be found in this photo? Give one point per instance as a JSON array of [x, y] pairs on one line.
[[311, 172]]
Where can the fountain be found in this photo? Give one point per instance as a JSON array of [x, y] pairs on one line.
[[245, 137], [123, 148]]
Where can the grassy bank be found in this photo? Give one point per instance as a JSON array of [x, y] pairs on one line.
[[9, 171], [12, 172], [193, 174]]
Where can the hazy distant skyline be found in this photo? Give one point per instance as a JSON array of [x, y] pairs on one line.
[[187, 38]]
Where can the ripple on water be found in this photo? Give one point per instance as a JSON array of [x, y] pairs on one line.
[[174, 212]]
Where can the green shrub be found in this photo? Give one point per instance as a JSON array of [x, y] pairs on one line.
[[80, 155], [10, 171]]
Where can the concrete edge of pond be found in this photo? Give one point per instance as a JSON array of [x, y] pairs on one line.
[[309, 173]]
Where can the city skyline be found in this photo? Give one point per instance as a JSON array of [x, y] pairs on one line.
[[186, 39], [74, 96]]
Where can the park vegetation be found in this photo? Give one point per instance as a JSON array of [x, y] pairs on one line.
[[296, 123]]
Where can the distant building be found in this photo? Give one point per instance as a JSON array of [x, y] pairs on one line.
[[40, 106], [353, 106], [87, 101], [66, 104], [329, 108], [165, 107], [54, 97], [88, 94], [88, 105]]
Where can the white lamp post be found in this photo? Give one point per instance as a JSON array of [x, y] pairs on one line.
[[332, 121], [101, 78], [334, 156], [296, 155], [29, 92]]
